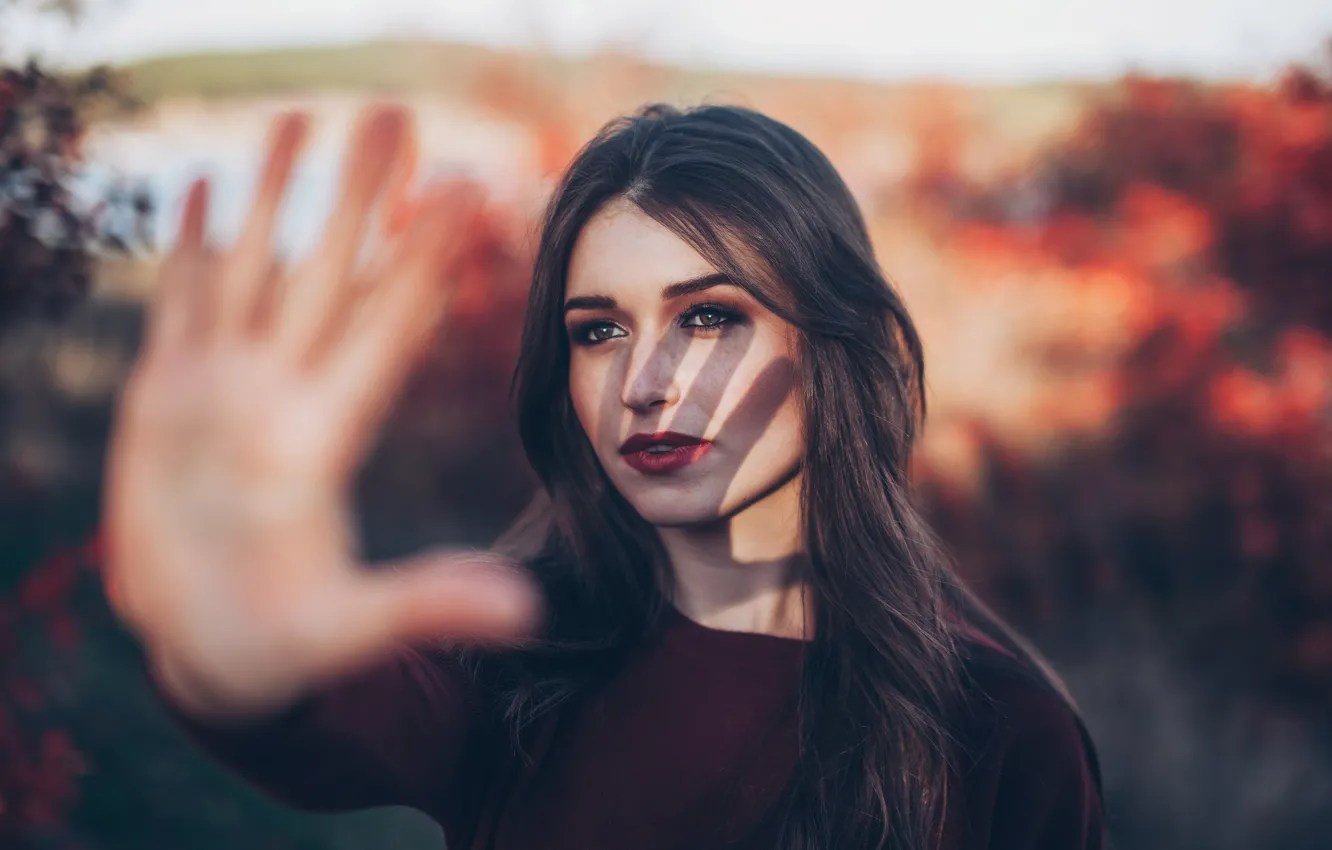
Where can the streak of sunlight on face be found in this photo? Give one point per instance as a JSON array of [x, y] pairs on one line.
[[714, 364]]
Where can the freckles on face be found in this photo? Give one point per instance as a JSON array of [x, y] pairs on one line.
[[661, 342]]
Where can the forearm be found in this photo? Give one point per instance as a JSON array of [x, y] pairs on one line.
[[399, 733]]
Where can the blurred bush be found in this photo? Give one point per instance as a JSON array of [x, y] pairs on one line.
[[1177, 560], [49, 243]]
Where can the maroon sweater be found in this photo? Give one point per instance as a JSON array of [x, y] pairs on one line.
[[689, 747]]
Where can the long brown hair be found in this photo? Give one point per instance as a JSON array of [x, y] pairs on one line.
[[883, 673]]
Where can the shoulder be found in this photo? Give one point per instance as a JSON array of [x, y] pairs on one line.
[[1007, 702], [1025, 760]]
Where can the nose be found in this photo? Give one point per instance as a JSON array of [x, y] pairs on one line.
[[652, 379]]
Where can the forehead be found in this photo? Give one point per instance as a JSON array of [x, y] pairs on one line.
[[622, 249]]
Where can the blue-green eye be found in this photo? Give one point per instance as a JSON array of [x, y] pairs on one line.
[[700, 318], [709, 316], [595, 333]]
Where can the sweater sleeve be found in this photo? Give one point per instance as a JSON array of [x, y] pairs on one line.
[[1036, 779], [405, 732]]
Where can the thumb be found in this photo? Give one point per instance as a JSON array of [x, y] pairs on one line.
[[465, 596]]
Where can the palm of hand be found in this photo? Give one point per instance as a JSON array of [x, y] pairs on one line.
[[253, 402]]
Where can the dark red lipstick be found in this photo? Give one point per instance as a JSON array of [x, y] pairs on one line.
[[662, 452]]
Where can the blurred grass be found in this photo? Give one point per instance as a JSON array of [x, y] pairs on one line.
[[445, 68], [379, 66]]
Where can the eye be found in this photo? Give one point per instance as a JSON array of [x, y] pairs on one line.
[[708, 316], [700, 318], [595, 333]]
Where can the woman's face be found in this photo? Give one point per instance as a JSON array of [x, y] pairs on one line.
[[683, 382]]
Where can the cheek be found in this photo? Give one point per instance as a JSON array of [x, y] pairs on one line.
[[586, 385], [785, 437], [762, 400]]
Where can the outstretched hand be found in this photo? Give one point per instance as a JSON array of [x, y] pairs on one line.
[[256, 397]]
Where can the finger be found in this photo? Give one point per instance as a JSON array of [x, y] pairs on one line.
[[315, 292], [194, 219], [472, 597], [397, 211], [180, 306], [267, 300], [400, 314], [246, 276], [398, 198]]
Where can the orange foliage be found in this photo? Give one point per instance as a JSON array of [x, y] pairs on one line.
[[1191, 231]]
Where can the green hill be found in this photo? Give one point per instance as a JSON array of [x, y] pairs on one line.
[[433, 67]]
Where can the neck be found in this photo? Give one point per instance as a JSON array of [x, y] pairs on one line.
[[745, 572]]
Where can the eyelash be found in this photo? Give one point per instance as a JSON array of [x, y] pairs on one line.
[[725, 315]]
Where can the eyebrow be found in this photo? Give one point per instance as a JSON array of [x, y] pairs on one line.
[[674, 290]]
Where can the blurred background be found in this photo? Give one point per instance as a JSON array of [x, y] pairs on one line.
[[1112, 222]]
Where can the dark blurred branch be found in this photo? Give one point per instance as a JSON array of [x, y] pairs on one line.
[[48, 240], [49, 243]]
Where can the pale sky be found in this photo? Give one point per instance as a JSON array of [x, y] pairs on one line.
[[971, 39]]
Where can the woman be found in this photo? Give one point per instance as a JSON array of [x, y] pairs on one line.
[[729, 629]]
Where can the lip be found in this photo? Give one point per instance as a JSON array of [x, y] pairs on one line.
[[643, 441], [686, 450]]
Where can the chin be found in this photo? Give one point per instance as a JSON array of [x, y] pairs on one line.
[[668, 509]]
